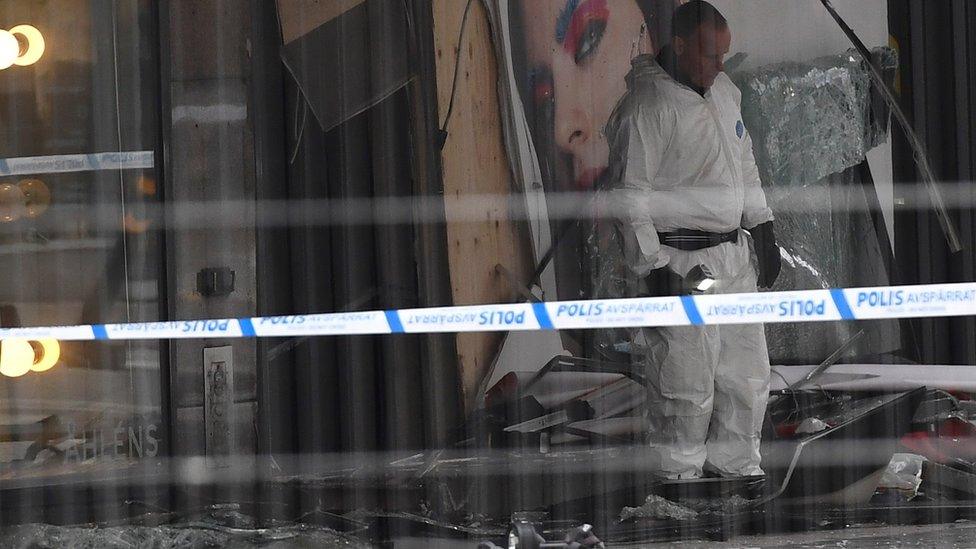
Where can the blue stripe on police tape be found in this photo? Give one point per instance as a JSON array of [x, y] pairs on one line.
[[691, 309], [393, 319], [99, 331], [542, 316], [840, 300], [247, 327]]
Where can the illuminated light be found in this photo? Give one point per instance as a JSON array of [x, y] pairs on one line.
[[705, 284], [37, 196], [12, 203], [147, 185], [31, 47], [134, 225], [9, 49], [699, 279], [16, 357], [47, 352]]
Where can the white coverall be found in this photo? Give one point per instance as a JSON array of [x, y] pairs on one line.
[[682, 161]]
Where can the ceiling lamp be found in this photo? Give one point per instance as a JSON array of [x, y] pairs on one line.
[[37, 196], [30, 44], [9, 49], [13, 203], [16, 357], [46, 354]]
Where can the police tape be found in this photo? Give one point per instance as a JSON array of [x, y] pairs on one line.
[[67, 163], [936, 300]]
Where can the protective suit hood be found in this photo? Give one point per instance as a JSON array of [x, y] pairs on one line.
[[643, 70]]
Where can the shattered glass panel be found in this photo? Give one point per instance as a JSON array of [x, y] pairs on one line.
[[812, 125], [811, 120], [827, 240], [611, 279]]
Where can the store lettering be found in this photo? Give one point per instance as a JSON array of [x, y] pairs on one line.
[[124, 440]]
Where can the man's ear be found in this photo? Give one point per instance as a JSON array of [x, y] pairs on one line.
[[678, 44]]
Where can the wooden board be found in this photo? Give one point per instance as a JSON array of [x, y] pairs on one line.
[[298, 17], [474, 162]]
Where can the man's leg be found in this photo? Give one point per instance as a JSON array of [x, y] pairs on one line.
[[680, 373], [741, 390], [741, 387]]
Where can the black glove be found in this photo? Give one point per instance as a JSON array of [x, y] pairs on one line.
[[767, 252], [664, 282]]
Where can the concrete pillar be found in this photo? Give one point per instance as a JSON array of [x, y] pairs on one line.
[[209, 143]]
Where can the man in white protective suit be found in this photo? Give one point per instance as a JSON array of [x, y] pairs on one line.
[[684, 187]]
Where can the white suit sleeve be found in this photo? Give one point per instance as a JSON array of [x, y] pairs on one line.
[[754, 211], [637, 145]]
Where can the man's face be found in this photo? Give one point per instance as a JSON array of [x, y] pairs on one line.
[[702, 55]]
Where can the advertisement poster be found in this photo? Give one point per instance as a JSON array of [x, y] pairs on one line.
[[569, 60]]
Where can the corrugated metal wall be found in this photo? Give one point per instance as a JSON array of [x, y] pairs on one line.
[[937, 44], [365, 393]]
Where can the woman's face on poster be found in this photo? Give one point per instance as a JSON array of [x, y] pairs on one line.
[[579, 52]]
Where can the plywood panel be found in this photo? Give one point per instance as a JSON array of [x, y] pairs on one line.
[[474, 162], [298, 17]]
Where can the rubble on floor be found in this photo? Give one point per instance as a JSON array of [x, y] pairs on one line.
[[188, 535], [656, 507]]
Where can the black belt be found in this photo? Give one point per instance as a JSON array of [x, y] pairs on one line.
[[691, 240]]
